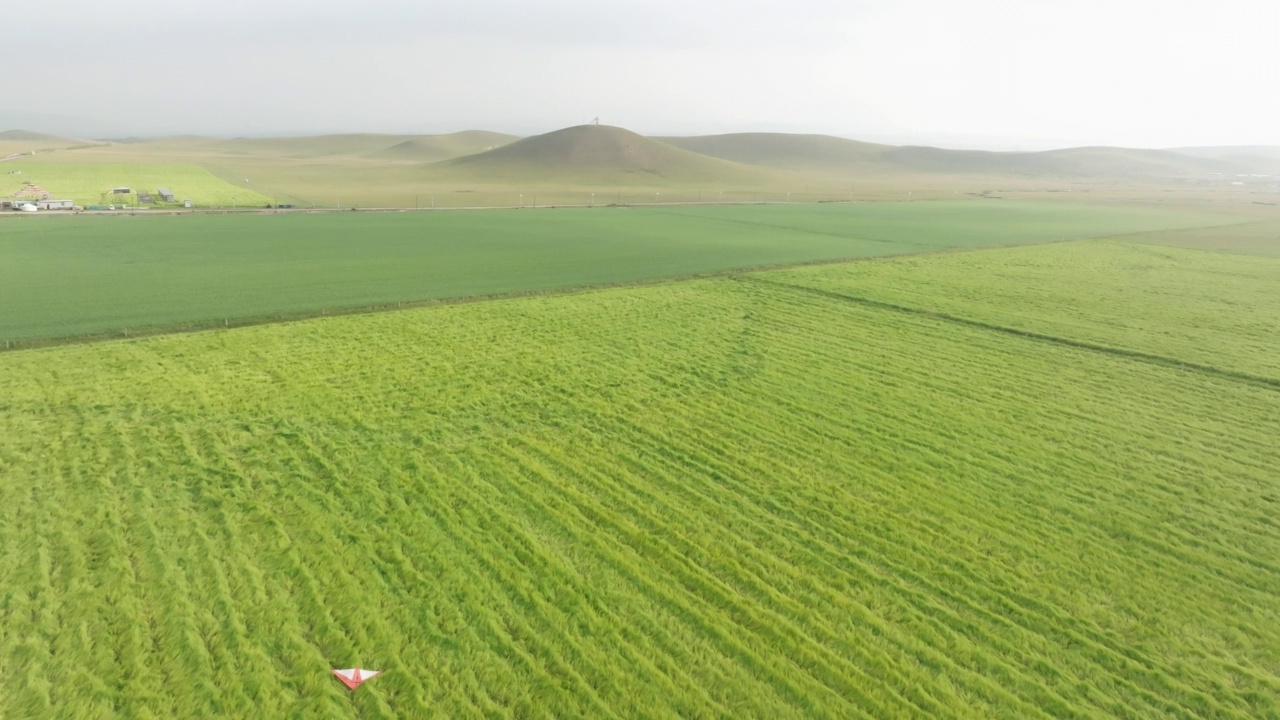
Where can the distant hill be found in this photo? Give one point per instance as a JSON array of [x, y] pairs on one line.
[[1245, 153], [1099, 162], [371, 146], [601, 153], [433, 148], [833, 156], [13, 141], [28, 136], [314, 146], [781, 150]]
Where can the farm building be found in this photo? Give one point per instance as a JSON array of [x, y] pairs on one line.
[[165, 194], [42, 203]]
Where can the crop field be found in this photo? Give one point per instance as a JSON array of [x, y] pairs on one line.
[[1211, 309], [716, 498], [90, 183], [1261, 237], [79, 276]]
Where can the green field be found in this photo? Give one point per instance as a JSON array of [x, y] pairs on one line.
[[1211, 309], [77, 276], [1261, 237], [91, 183], [717, 498]]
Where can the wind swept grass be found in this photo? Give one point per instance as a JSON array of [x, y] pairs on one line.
[[707, 499]]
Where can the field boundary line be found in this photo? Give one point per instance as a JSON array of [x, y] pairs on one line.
[[1163, 360], [243, 321], [228, 322]]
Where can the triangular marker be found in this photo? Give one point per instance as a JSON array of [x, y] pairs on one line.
[[352, 677]]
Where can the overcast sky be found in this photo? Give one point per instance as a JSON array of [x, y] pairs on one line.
[[967, 73]]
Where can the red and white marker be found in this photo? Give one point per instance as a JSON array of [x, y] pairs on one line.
[[352, 677]]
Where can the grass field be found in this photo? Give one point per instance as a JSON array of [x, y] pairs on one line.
[[90, 183], [718, 498], [1261, 237], [76, 276], [1188, 305]]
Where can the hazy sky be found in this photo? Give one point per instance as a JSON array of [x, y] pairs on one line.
[[973, 73]]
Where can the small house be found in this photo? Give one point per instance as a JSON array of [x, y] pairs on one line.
[[51, 204], [165, 194]]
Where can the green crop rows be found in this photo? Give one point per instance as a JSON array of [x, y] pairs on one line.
[[719, 498], [70, 277]]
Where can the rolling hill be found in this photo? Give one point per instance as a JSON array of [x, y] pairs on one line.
[[781, 150], [595, 153], [433, 148], [826, 154], [1233, 152], [376, 146], [23, 141]]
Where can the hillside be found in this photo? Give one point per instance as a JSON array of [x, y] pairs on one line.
[[832, 155], [1233, 152], [781, 150], [596, 153], [433, 148], [23, 141]]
